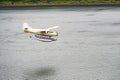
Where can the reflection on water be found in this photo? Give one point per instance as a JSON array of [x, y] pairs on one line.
[[116, 24], [45, 73]]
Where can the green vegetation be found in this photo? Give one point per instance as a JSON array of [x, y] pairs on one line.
[[55, 2]]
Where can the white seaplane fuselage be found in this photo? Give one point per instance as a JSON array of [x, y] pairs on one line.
[[45, 32]]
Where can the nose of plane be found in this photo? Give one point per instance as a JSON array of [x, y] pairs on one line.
[[53, 33], [56, 33]]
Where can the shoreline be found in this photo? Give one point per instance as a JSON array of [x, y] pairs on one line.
[[59, 5]]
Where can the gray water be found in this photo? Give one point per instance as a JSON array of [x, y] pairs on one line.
[[88, 45]]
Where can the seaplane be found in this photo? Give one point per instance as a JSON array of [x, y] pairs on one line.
[[41, 34]]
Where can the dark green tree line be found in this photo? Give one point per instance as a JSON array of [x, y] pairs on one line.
[[61, 1]]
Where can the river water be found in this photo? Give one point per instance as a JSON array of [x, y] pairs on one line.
[[88, 45]]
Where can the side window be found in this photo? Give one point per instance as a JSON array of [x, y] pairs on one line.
[[42, 31]]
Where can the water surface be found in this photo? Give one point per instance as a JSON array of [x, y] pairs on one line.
[[88, 46]]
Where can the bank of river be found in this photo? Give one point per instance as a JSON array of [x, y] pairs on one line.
[[62, 3]]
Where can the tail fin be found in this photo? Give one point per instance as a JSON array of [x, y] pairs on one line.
[[25, 25]]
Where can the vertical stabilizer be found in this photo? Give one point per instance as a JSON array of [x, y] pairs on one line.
[[26, 26]]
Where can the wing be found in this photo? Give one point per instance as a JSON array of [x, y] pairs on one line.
[[53, 27]]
